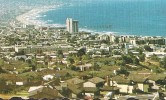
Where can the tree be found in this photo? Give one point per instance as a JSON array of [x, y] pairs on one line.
[[72, 67], [141, 57], [123, 46], [140, 50], [2, 70], [33, 68], [120, 63], [2, 81], [105, 41], [32, 63], [135, 61], [154, 57], [115, 52], [81, 52], [71, 60], [123, 71], [86, 57], [127, 59], [90, 53], [163, 63], [1, 62], [21, 52], [104, 52], [148, 48], [60, 55], [96, 66]]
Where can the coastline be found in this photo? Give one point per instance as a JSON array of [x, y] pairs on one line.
[[32, 17]]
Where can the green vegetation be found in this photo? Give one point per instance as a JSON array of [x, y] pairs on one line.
[[163, 63], [148, 48], [65, 56]]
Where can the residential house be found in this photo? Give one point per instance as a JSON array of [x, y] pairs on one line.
[[153, 80], [41, 92], [122, 82], [75, 87], [94, 82], [48, 77], [141, 81], [85, 67], [109, 92], [91, 87]]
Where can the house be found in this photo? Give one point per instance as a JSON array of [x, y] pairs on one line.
[[85, 67], [133, 41], [20, 81], [24, 57], [40, 92], [94, 82], [153, 79], [158, 54], [75, 81], [48, 77], [91, 87], [91, 91], [109, 92], [75, 91], [141, 81], [125, 84], [74, 86]]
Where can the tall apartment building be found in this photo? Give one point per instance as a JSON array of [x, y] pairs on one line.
[[71, 25]]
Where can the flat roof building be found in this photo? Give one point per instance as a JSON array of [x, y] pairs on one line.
[[71, 25]]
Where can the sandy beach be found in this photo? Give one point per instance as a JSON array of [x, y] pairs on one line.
[[33, 16]]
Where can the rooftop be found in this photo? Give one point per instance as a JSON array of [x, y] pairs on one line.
[[96, 80], [75, 81]]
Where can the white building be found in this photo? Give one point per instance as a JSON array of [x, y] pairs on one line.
[[71, 25], [133, 41]]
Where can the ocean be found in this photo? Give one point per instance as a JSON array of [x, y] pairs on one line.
[[124, 17]]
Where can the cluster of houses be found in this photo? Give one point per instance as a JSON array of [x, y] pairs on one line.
[[41, 41], [54, 85], [42, 44], [96, 87]]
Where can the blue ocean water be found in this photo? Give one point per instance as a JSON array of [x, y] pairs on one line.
[[133, 17]]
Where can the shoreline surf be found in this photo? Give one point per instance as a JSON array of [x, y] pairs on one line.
[[33, 17]]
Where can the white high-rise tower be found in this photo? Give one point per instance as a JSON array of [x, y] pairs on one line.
[[71, 25]]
